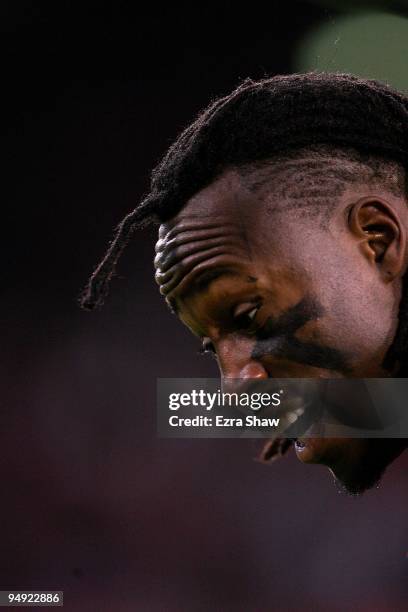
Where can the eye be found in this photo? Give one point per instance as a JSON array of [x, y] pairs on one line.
[[244, 315], [207, 347]]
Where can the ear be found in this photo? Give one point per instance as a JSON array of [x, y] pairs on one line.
[[381, 234]]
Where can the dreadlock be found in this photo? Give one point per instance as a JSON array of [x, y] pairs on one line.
[[260, 120]]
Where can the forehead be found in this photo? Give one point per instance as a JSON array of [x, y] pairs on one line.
[[212, 232], [224, 228], [226, 195]]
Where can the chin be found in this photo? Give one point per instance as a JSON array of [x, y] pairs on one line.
[[357, 465]]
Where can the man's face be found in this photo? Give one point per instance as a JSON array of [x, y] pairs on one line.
[[275, 294]]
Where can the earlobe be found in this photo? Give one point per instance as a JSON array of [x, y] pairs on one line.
[[381, 235]]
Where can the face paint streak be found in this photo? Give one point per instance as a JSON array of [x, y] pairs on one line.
[[277, 338]]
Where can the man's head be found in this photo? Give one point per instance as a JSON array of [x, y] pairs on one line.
[[282, 242]]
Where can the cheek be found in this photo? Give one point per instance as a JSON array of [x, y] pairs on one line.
[[360, 314]]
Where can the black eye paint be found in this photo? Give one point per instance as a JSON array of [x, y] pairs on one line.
[[277, 338]]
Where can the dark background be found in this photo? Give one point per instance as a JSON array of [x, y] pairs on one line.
[[92, 502]]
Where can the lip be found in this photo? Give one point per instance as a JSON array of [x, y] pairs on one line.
[[310, 450]]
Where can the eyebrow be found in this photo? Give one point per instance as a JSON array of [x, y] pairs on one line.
[[202, 281]]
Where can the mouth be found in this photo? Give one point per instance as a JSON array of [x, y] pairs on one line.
[[308, 449], [299, 444], [277, 446]]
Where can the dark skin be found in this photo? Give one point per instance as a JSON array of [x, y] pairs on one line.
[[275, 294]]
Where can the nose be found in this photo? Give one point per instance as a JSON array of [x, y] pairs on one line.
[[253, 369], [236, 362]]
